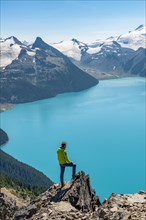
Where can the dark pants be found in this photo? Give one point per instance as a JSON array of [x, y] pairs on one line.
[[62, 169]]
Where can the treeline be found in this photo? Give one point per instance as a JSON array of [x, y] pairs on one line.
[[25, 179], [3, 137]]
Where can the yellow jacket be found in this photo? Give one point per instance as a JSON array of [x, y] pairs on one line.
[[62, 156]]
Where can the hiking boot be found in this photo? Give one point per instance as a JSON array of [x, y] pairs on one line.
[[73, 176], [62, 185]]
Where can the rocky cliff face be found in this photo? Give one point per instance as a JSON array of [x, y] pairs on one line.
[[37, 72], [77, 200]]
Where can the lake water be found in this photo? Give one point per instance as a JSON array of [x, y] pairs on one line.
[[104, 127]]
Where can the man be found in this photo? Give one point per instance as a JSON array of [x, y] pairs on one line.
[[64, 162]]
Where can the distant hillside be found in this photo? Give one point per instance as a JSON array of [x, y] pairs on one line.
[[21, 177], [3, 137]]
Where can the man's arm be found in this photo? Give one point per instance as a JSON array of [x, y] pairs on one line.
[[66, 158]]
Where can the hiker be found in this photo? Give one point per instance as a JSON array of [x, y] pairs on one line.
[[64, 162]]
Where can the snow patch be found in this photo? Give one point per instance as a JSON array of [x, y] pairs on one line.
[[31, 53], [9, 52], [134, 39], [69, 48], [94, 50]]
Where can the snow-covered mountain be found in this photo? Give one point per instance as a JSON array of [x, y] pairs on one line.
[[74, 48], [10, 50], [39, 62], [134, 39], [108, 57], [37, 72], [71, 48]]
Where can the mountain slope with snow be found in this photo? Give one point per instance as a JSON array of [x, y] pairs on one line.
[[109, 57], [134, 39], [74, 48], [9, 51], [38, 72], [71, 48]]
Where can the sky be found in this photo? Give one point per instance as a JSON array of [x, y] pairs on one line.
[[58, 20]]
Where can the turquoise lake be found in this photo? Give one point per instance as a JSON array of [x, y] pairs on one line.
[[104, 127]]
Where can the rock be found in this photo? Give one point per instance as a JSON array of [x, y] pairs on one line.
[[114, 209], [76, 201], [123, 206], [7, 207], [79, 194]]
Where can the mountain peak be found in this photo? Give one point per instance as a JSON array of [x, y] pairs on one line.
[[139, 28], [39, 43], [74, 40], [14, 39], [38, 40]]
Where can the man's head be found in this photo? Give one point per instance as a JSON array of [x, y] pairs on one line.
[[63, 144]]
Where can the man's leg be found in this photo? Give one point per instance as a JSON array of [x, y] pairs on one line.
[[62, 169], [73, 168]]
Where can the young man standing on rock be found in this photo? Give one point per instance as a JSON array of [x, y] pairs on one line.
[[64, 162]]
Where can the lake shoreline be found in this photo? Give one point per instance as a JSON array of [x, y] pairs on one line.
[[99, 116], [8, 106], [5, 106]]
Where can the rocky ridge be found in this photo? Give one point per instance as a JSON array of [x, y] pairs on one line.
[[77, 200]]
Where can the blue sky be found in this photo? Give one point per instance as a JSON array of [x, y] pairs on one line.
[[61, 20]]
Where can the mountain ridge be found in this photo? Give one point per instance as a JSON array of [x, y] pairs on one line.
[[38, 72], [108, 58]]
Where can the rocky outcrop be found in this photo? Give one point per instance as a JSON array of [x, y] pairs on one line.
[[123, 206], [76, 197], [7, 207], [77, 200]]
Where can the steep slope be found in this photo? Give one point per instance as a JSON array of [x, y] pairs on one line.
[[40, 72], [17, 174], [137, 65]]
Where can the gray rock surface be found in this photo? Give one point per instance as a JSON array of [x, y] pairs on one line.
[[77, 200]]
